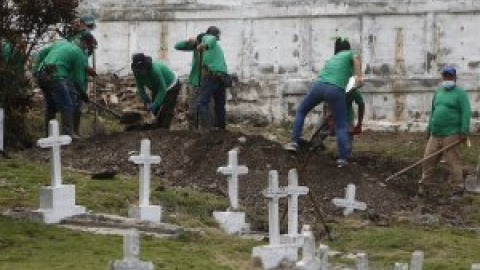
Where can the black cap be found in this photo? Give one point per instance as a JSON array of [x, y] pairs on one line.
[[141, 61], [214, 31]]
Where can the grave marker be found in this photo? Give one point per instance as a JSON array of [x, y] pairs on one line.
[[362, 261], [272, 255], [233, 170], [56, 201], [232, 221], [349, 202], [476, 266], [417, 260], [145, 211], [293, 191], [131, 253], [310, 259]]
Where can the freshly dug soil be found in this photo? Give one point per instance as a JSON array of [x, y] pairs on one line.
[[191, 159]]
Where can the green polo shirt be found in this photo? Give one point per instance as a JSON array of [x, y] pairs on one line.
[[338, 69]]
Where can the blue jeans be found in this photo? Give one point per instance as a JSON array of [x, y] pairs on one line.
[[212, 87], [335, 98], [60, 97]]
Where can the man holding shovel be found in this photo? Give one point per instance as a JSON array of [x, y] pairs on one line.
[[163, 84], [449, 123]]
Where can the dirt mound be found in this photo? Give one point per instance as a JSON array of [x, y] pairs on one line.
[[191, 159]]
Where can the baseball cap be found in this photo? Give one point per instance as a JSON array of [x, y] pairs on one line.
[[89, 20], [449, 71]]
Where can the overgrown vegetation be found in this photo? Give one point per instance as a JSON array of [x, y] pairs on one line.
[[24, 24]]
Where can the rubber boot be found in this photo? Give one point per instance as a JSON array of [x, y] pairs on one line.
[[77, 114], [67, 124]]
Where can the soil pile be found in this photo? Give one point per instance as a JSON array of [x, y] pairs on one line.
[[191, 159]]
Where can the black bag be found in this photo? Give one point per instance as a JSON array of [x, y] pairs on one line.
[[227, 80]]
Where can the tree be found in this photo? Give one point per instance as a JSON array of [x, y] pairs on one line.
[[24, 24]]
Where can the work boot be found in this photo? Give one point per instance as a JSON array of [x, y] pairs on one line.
[[67, 123], [342, 163], [291, 147]]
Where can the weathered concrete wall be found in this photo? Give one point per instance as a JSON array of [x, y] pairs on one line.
[[277, 47]]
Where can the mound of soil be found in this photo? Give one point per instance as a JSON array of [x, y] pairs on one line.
[[191, 159]]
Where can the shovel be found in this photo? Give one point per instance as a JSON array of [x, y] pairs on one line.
[[472, 182], [127, 117], [423, 160]]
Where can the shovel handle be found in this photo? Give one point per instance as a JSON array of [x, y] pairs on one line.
[[423, 160]]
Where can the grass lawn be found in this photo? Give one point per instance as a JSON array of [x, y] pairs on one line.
[[26, 245]]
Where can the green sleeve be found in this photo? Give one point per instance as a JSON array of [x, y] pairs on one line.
[[141, 90], [161, 91], [184, 46], [431, 113], [210, 41], [79, 72], [466, 112]]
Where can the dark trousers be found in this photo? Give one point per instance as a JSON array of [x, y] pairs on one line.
[[165, 113], [212, 87], [60, 97]]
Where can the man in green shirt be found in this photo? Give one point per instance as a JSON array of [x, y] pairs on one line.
[[190, 45], [62, 78], [163, 84], [449, 123], [355, 96], [330, 87]]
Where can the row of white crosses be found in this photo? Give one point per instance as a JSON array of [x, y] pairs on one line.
[[58, 201]]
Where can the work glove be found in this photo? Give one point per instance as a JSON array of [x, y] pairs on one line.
[[91, 72], [84, 97], [150, 107], [357, 129]]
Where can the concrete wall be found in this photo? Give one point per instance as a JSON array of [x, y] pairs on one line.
[[278, 47]]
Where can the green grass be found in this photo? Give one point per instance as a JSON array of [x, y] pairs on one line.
[[445, 248], [26, 245]]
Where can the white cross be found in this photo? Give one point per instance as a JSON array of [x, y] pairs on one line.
[[294, 191], [417, 260], [233, 171], [131, 245], [54, 141], [349, 202], [145, 160], [274, 193]]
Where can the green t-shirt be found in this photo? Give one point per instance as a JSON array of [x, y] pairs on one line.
[[12, 56], [158, 80], [353, 96], [338, 69], [451, 112], [213, 57], [194, 77], [69, 60]]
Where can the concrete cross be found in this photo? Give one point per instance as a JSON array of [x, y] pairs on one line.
[[362, 261], [145, 160], [294, 191], [54, 141], [349, 202], [274, 193], [1, 129], [417, 260], [233, 171], [131, 245], [308, 249], [476, 266]]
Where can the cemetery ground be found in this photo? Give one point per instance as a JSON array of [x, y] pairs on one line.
[[187, 185]]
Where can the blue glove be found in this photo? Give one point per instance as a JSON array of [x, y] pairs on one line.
[[150, 107]]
